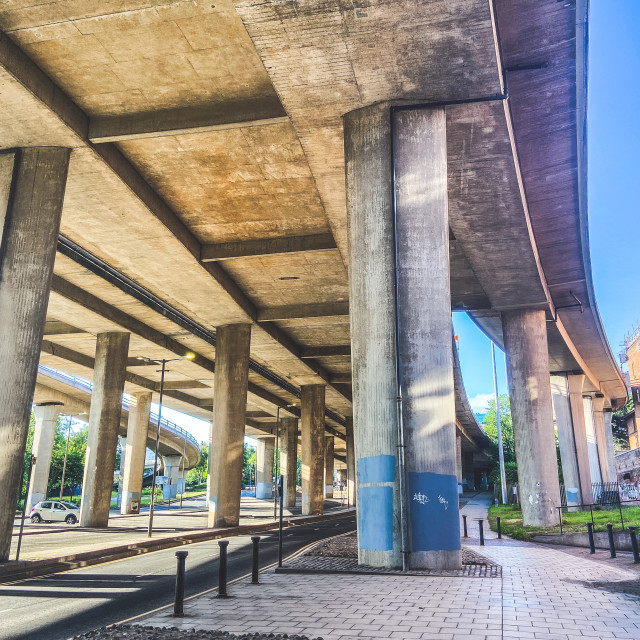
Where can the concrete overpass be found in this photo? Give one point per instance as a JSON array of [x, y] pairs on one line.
[[300, 194]]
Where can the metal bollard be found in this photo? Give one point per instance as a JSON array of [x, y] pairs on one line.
[[178, 605], [480, 527], [592, 544], [634, 544], [254, 567], [464, 526], [222, 570], [612, 548], [499, 528]]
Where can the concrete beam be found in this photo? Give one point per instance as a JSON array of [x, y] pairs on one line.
[[341, 378], [58, 328], [266, 247], [326, 352], [236, 114], [300, 311]]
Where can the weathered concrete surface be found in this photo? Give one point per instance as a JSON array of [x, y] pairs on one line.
[[289, 459], [328, 466], [592, 440], [227, 429], [525, 340], [312, 428], [137, 430], [351, 463], [576, 383], [104, 423], [32, 188], [611, 454], [264, 468], [172, 469], [601, 437], [46, 418]]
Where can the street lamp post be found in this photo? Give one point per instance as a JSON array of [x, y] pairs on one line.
[[64, 464], [275, 466], [503, 479]]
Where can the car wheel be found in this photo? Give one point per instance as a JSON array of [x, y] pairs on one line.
[[35, 518], [71, 519]]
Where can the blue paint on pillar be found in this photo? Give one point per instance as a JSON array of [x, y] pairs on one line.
[[375, 518], [433, 512], [377, 469]]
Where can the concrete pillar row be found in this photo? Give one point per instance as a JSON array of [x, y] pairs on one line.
[[264, 468], [226, 443], [312, 426], [136, 448], [525, 341], [611, 454], [566, 440], [351, 462], [104, 423], [576, 384], [46, 421], [329, 465], [601, 438], [400, 158], [289, 459], [32, 186]]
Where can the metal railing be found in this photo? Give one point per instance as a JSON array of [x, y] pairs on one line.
[[605, 492], [85, 385]]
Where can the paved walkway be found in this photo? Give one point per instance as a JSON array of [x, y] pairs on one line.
[[51, 540], [546, 593]]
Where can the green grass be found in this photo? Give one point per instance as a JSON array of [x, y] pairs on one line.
[[572, 521]]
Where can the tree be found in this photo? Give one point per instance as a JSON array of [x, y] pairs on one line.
[[198, 474], [619, 426], [249, 465], [508, 444]]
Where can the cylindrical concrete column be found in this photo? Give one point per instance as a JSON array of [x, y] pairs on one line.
[[525, 341], [104, 423], [312, 425], [351, 462], [172, 472], [32, 185], [264, 467], [566, 441], [611, 454], [46, 417], [592, 442], [576, 384], [137, 431], [601, 438], [329, 453], [226, 447], [289, 459]]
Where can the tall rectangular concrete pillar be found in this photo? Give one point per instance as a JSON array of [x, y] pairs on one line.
[[329, 454], [231, 379], [46, 417], [611, 454], [264, 468], [566, 440], [400, 158], [172, 472], [104, 423], [576, 384], [525, 341], [351, 462], [592, 441], [459, 462], [312, 427], [289, 459], [32, 186], [136, 448], [601, 438]]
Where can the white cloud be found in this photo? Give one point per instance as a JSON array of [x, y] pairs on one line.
[[480, 402]]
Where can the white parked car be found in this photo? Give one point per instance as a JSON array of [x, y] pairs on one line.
[[55, 511]]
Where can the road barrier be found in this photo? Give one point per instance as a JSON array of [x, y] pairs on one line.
[[178, 604], [612, 546], [464, 526], [481, 530], [634, 544], [499, 528], [255, 563], [592, 542], [222, 569]]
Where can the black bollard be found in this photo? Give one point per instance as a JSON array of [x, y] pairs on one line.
[[634, 544], [280, 485], [178, 605], [499, 529], [464, 526], [222, 570], [255, 567], [480, 527], [612, 547], [592, 544]]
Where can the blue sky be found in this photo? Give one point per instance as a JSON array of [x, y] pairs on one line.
[[614, 177]]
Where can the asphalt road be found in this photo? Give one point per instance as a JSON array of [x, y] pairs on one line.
[[63, 605]]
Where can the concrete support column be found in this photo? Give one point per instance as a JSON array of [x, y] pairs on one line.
[[592, 442], [264, 466], [32, 185], [576, 384], [566, 440], [329, 455], [104, 423], [601, 438], [459, 462], [137, 430], [525, 340], [351, 463], [172, 466], [312, 426], [611, 454], [289, 459], [122, 443], [46, 416], [417, 142], [229, 414]]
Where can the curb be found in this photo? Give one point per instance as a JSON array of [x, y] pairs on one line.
[[13, 571]]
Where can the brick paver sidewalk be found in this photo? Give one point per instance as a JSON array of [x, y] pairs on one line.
[[545, 594]]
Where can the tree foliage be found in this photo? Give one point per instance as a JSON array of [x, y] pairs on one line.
[[198, 474], [619, 426], [508, 444]]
